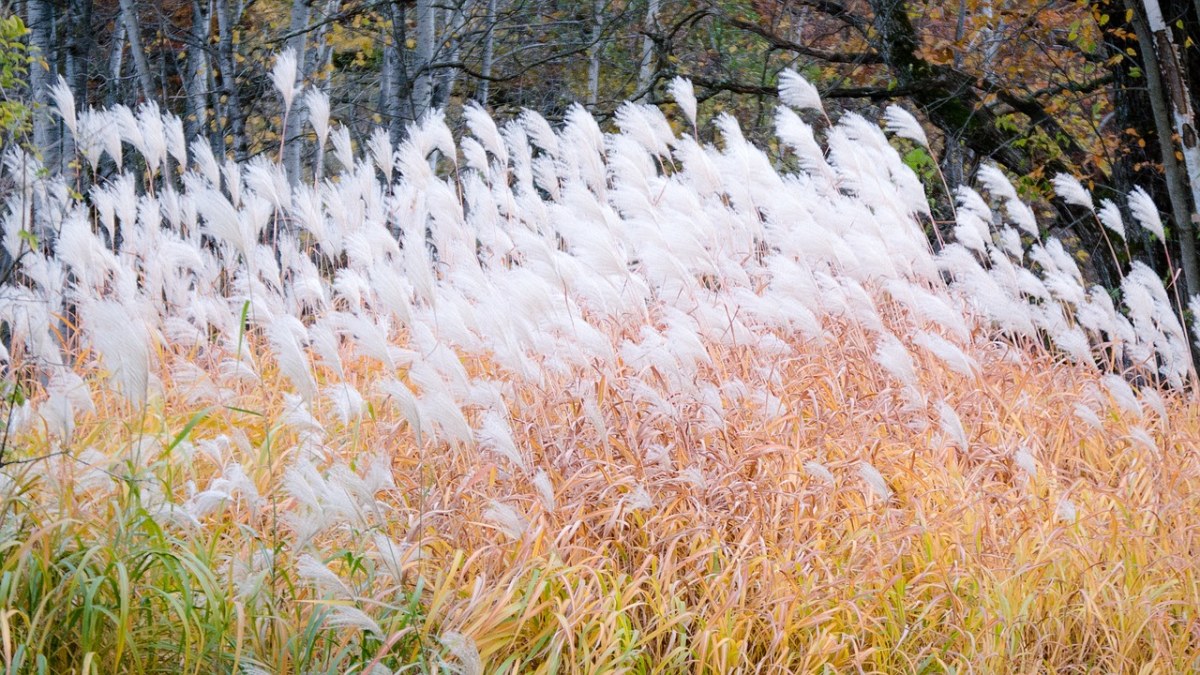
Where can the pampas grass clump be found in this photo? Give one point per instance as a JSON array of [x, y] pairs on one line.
[[556, 400]]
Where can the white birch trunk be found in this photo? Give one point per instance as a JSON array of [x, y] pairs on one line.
[[39, 19], [646, 72], [292, 130], [1183, 119], [489, 54], [593, 92], [422, 91], [116, 63], [197, 81], [133, 32]]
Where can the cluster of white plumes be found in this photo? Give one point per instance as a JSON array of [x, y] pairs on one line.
[[547, 251]]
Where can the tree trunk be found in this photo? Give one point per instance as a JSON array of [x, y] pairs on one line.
[[387, 75], [133, 32], [40, 19], [78, 52], [646, 71], [1183, 118], [197, 64], [227, 63], [953, 161], [446, 77], [319, 56], [79, 49], [1133, 163], [1175, 179], [422, 91], [116, 64], [593, 92], [398, 104], [292, 131], [489, 54]]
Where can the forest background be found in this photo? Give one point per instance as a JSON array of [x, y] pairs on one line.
[[1099, 89]]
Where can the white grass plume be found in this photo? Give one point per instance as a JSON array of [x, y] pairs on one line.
[[544, 489], [996, 182], [317, 103], [268, 180], [902, 123], [896, 360], [1025, 462], [297, 417], [440, 410], [646, 125], [379, 146], [222, 221], [970, 231], [950, 354], [64, 104], [1142, 437], [231, 172], [127, 123], [205, 163], [341, 147], [176, 140], [283, 76], [406, 401], [465, 653], [1084, 413], [121, 338], [91, 139], [110, 134], [818, 470], [1123, 394], [1194, 308], [798, 135], [1145, 211], [394, 556], [153, 136], [637, 499], [798, 92], [289, 353], [874, 480], [483, 127], [495, 434], [323, 578], [540, 132], [1072, 191], [685, 97], [348, 404], [346, 616], [1074, 343], [1110, 217], [1022, 216], [506, 519], [952, 425], [1065, 511]]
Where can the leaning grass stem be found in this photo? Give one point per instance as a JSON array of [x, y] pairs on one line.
[[949, 199], [1112, 251]]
